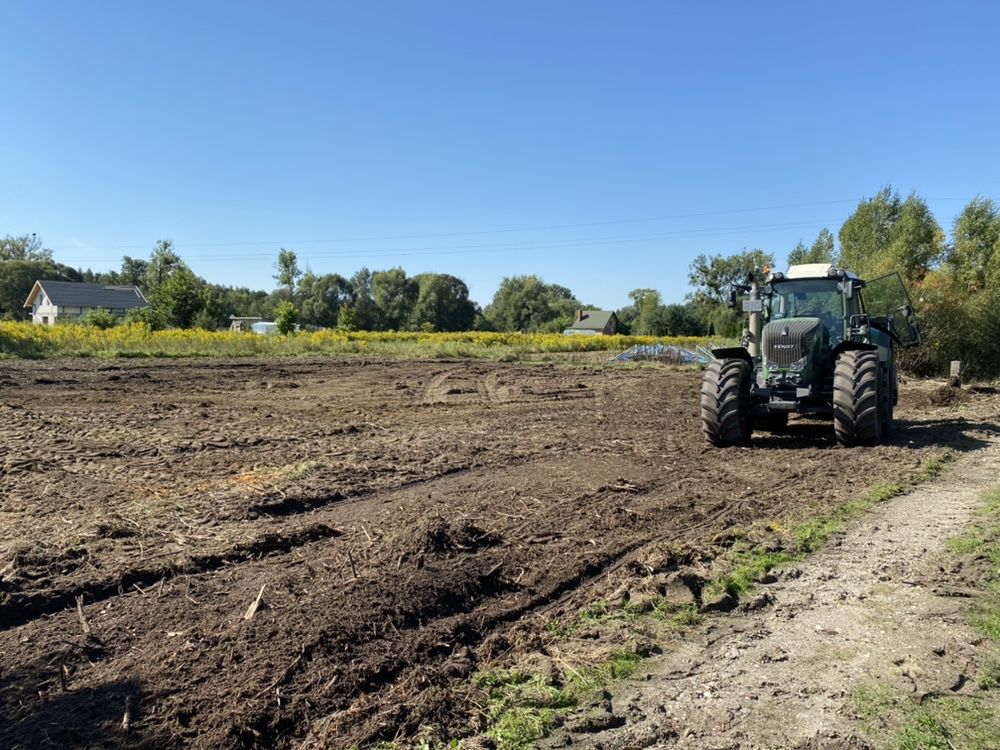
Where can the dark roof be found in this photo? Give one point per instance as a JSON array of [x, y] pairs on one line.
[[79, 294], [593, 320]]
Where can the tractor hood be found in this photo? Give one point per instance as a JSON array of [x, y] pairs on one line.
[[789, 342]]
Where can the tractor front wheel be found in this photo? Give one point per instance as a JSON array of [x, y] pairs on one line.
[[858, 405], [725, 420]]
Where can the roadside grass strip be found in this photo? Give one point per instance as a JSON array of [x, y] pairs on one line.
[[945, 722]]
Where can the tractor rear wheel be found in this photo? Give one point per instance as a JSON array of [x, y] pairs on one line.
[[725, 420], [858, 410]]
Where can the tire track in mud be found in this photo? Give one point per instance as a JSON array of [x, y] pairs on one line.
[[18, 608]]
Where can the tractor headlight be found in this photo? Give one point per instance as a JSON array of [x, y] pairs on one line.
[[800, 364]]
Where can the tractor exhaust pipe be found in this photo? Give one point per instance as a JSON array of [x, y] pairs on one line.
[[754, 325]]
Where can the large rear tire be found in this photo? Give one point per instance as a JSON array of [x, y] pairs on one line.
[[724, 419], [858, 406]]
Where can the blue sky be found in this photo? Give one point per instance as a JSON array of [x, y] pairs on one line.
[[599, 145]]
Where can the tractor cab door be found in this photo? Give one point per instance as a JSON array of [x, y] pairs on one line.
[[888, 306]]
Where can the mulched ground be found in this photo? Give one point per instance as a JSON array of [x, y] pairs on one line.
[[320, 553]]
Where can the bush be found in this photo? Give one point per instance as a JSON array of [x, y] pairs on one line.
[[99, 318], [286, 318]]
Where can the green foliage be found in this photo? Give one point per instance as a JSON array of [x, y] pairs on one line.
[[443, 304], [522, 708], [321, 298], [144, 315], [99, 318], [347, 319], [821, 251], [887, 233], [17, 277], [395, 296], [179, 299], [934, 722], [24, 247], [288, 270], [286, 318], [526, 303], [713, 277]]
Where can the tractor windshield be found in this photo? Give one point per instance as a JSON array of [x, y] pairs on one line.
[[809, 298]]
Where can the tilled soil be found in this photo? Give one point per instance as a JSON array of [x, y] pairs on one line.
[[885, 606], [319, 553]]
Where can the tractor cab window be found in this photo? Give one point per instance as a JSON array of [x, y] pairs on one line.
[[809, 298]]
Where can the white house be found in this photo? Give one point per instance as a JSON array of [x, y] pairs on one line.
[[51, 301]]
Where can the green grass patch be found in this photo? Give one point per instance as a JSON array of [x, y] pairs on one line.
[[524, 708], [935, 723]]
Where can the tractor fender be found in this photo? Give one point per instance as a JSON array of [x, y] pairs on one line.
[[733, 352]]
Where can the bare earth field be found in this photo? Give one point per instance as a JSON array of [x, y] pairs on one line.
[[399, 525]]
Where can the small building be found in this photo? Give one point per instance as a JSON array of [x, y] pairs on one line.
[[243, 323], [54, 301], [594, 323]]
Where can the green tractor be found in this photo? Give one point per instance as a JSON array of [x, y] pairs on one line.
[[819, 341]]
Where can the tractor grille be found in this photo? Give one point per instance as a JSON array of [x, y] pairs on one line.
[[786, 341]]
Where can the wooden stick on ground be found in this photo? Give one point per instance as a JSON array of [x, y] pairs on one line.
[[79, 613]]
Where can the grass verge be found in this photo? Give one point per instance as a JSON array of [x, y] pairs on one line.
[[945, 722]]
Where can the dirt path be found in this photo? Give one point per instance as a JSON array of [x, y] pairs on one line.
[[878, 607]]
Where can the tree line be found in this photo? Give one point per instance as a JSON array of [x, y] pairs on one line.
[[953, 277]]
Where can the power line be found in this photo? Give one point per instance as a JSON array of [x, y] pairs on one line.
[[515, 246], [671, 217]]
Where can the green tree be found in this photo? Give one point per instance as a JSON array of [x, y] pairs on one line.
[[347, 318], [443, 304], [528, 303], [821, 251], [162, 263], [288, 271], [975, 251], [286, 318], [364, 312], [321, 297], [713, 277], [179, 299], [24, 247], [887, 233], [133, 271], [394, 296], [647, 318]]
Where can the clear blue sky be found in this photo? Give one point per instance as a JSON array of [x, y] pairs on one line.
[[599, 145]]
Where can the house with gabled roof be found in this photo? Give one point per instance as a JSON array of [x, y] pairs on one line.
[[54, 301], [594, 323]]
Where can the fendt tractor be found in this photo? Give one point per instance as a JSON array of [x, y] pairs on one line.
[[818, 341]]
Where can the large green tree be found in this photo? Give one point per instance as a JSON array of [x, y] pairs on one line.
[[321, 297], [443, 304], [394, 295], [975, 251], [527, 303], [887, 233]]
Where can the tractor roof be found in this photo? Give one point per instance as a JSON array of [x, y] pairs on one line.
[[816, 271]]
